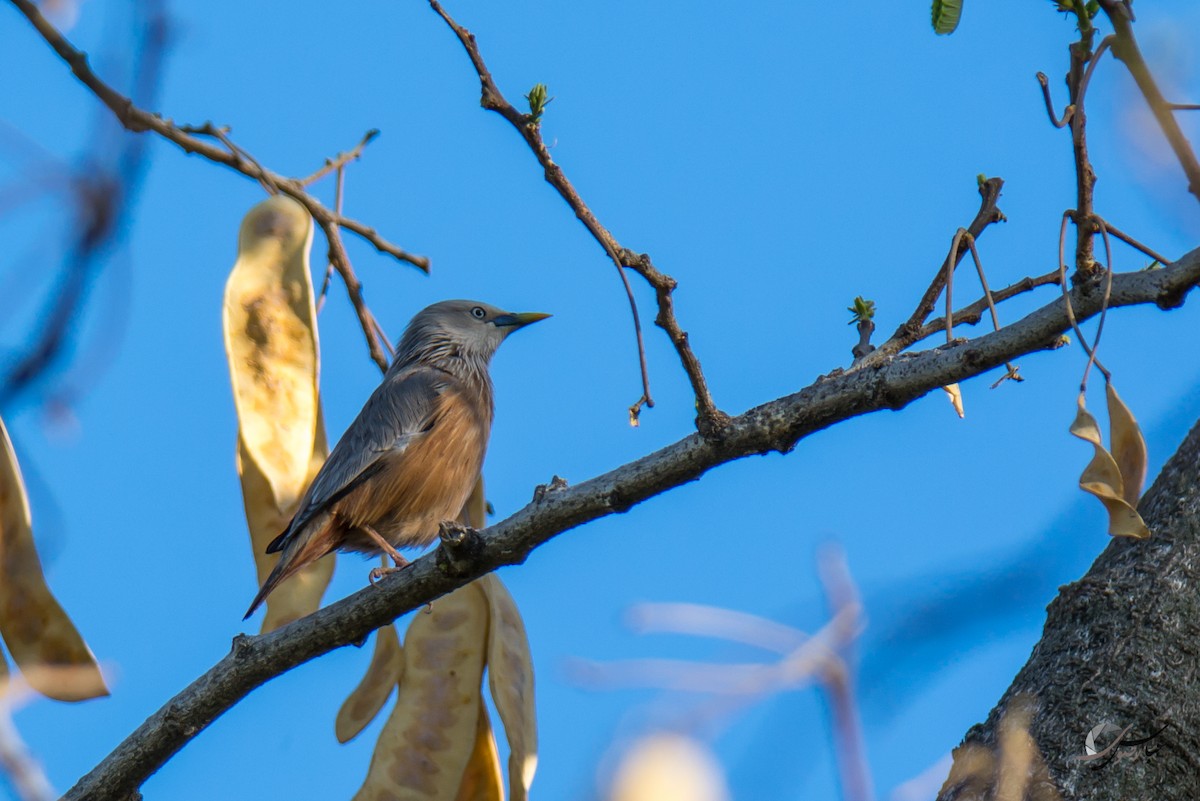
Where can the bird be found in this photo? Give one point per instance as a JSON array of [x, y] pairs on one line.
[[411, 457]]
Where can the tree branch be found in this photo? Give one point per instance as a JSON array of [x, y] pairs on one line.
[[190, 140], [774, 426], [1126, 49], [709, 419]]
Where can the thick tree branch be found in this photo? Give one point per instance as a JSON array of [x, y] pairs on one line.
[[709, 418], [774, 426], [1119, 647], [191, 139], [1126, 49]]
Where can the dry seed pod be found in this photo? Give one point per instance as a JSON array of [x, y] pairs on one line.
[[428, 740], [1128, 447], [271, 343], [483, 780], [383, 674], [39, 635], [510, 678], [1103, 476]]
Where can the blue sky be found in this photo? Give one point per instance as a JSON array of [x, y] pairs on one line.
[[777, 159]]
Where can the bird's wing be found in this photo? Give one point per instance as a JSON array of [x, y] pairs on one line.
[[400, 410]]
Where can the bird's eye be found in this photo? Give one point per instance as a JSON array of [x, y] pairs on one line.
[[478, 313]]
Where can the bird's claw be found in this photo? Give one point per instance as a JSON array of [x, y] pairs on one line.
[[379, 572]]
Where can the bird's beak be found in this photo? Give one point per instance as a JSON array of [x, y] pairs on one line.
[[518, 319]]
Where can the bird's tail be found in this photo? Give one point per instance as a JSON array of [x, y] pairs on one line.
[[298, 554]]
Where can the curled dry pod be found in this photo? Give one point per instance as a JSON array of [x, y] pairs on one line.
[[383, 674], [41, 638], [427, 742], [270, 329], [1116, 485], [483, 779], [510, 678]]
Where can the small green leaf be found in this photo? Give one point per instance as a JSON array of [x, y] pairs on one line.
[[1093, 7], [945, 15], [539, 98], [862, 310]]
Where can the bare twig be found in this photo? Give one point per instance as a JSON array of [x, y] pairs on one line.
[[337, 206], [774, 426], [1126, 50], [1082, 60], [1069, 306], [1012, 369], [339, 258], [191, 139], [341, 160], [1133, 243], [709, 418], [972, 314], [909, 332], [1057, 122]]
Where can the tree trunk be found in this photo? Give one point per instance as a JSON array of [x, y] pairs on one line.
[[1120, 647]]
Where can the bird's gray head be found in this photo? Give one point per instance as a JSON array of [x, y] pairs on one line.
[[459, 335]]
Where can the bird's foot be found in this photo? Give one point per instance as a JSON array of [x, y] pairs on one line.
[[379, 572]]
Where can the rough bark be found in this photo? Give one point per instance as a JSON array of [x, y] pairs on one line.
[[1120, 646]]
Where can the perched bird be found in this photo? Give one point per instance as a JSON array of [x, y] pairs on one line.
[[410, 459]]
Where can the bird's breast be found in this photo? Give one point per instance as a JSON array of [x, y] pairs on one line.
[[428, 481]]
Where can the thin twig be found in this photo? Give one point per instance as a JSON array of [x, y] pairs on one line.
[[1062, 280], [1011, 369], [193, 140], [972, 314], [1126, 49], [366, 320], [909, 331], [341, 160], [1108, 262], [949, 280], [1057, 122], [221, 134], [337, 205], [1082, 63], [1133, 243], [709, 418]]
